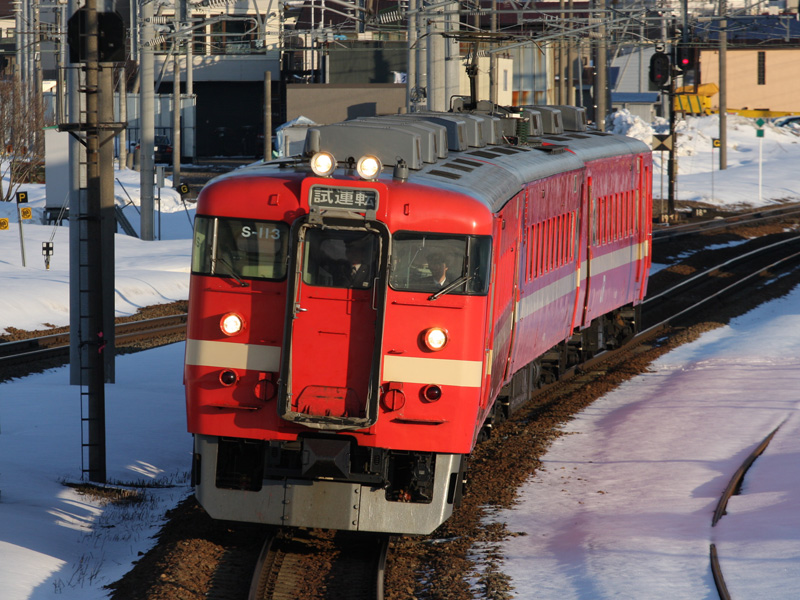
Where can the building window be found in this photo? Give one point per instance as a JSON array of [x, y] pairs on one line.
[[762, 68]]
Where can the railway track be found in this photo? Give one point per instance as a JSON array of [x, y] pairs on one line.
[[753, 218], [56, 346], [355, 562]]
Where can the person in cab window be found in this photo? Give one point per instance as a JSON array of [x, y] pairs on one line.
[[437, 265], [358, 273]]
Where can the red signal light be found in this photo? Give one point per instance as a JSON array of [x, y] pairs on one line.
[[684, 57]]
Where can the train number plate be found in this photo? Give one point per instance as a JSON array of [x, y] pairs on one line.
[[359, 199]]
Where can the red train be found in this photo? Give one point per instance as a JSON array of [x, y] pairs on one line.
[[352, 332]]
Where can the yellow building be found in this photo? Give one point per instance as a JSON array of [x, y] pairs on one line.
[[757, 79]]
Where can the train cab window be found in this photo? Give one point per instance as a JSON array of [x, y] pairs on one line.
[[429, 262], [240, 248], [340, 258]]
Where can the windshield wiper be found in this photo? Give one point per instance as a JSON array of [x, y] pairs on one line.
[[449, 288], [230, 270]]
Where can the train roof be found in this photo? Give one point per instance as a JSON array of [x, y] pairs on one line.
[[476, 164]]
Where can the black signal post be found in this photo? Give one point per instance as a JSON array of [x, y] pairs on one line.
[[661, 74]]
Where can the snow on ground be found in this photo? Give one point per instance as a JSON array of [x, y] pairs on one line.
[[624, 508], [699, 177]]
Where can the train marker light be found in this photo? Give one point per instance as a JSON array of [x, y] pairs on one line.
[[231, 324], [228, 378], [369, 167], [435, 338], [431, 393], [323, 164]]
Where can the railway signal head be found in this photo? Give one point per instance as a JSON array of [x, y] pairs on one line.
[[684, 57], [660, 69]]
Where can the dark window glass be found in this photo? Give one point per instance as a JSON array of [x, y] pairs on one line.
[[340, 258], [429, 262], [240, 248]]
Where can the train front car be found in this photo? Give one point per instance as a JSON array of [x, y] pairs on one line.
[[335, 351]]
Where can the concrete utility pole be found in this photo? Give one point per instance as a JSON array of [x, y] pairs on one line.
[[123, 116], [600, 83], [176, 115], [147, 120], [672, 164], [267, 115], [562, 58], [92, 326], [723, 89], [570, 59]]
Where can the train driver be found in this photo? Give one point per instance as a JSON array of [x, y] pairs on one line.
[[437, 264], [358, 271]]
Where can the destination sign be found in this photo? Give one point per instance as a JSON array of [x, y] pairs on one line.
[[360, 199]]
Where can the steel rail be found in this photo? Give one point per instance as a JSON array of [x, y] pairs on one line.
[[727, 288], [737, 478], [674, 231], [57, 345], [716, 571], [281, 569], [733, 485]]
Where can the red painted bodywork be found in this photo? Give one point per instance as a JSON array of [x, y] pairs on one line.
[[521, 317]]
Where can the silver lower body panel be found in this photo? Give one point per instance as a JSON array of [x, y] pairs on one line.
[[325, 504]]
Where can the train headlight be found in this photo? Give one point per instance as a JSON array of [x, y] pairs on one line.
[[231, 324], [435, 338], [323, 164], [369, 167]]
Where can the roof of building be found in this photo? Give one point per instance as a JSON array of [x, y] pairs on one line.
[[748, 31], [635, 97]]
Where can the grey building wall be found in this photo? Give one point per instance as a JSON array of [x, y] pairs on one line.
[[330, 103]]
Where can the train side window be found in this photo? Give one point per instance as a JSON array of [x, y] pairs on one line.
[[532, 240], [539, 249], [573, 238], [600, 221], [240, 248]]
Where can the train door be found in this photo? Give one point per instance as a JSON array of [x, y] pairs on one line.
[[644, 206], [504, 291], [587, 249], [329, 371]]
